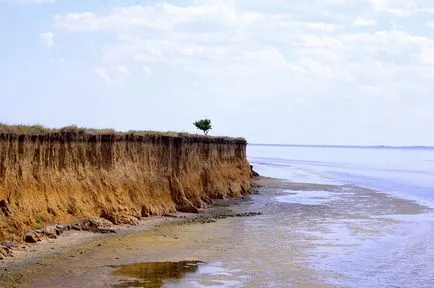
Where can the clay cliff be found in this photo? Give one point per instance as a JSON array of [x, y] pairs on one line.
[[64, 176]]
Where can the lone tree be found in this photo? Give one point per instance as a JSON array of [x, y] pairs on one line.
[[204, 125]]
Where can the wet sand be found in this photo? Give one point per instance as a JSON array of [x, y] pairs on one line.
[[292, 243], [33, 262]]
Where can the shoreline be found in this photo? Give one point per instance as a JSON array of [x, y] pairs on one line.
[[27, 257], [275, 245], [27, 252]]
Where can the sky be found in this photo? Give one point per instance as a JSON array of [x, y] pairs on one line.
[[348, 72]]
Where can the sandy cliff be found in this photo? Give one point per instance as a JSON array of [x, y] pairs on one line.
[[61, 176]]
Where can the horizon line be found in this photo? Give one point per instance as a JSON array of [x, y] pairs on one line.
[[346, 146]]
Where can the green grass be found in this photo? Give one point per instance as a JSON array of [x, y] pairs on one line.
[[38, 220], [30, 129], [39, 129], [79, 131]]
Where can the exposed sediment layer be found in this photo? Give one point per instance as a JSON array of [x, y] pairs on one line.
[[63, 176]]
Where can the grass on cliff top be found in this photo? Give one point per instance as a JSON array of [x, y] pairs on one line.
[[41, 130]]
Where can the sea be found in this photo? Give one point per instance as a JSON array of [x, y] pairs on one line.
[[400, 256], [402, 171]]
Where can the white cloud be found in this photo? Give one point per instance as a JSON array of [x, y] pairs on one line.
[[158, 16], [122, 69], [113, 76], [216, 36], [34, 1], [147, 70], [214, 31], [48, 38], [404, 8], [430, 24], [427, 55], [362, 22]]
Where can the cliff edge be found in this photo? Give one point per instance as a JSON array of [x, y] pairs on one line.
[[67, 175]]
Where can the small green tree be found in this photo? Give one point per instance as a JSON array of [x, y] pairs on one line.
[[204, 125]]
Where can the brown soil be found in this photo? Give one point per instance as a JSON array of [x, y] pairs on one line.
[[72, 175]]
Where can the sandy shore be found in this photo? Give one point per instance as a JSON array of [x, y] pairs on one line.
[[30, 259]]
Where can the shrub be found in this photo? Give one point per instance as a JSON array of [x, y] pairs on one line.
[[204, 125]]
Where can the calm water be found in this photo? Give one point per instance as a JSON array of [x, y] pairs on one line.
[[401, 257], [407, 173]]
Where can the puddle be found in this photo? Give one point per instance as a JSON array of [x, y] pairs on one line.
[[216, 275], [153, 274], [306, 197], [217, 270]]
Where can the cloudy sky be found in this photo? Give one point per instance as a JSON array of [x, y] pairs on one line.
[[274, 71]]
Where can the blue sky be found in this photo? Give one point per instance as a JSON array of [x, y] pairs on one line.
[[279, 71]]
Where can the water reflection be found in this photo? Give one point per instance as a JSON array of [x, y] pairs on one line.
[[153, 274]]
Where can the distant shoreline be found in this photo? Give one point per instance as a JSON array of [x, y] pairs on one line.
[[347, 146]]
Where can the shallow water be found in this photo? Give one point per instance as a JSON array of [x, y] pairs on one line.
[[153, 274], [318, 230], [405, 172], [357, 238], [376, 244]]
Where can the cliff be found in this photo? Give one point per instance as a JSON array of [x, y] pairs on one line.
[[67, 175]]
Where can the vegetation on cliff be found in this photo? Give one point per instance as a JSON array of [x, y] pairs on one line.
[[204, 125], [73, 129]]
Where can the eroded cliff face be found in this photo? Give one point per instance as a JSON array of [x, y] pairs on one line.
[[61, 177]]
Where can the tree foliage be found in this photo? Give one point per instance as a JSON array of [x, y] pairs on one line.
[[204, 125]]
